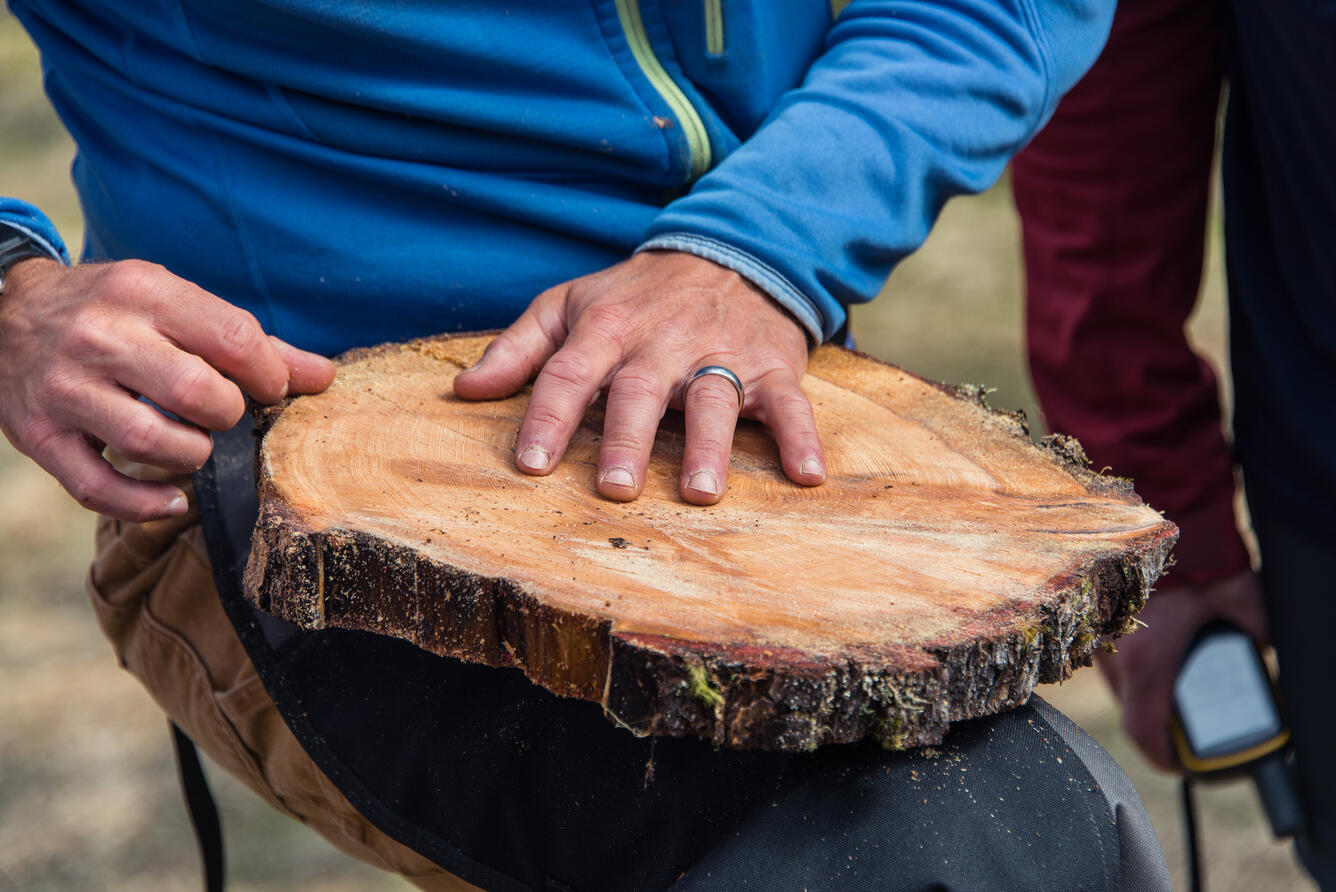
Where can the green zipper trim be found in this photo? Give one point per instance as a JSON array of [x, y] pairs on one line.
[[698, 141], [714, 27]]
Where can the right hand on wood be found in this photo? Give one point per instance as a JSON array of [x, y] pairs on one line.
[[1142, 670], [79, 345]]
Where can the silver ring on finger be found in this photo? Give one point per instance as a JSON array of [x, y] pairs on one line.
[[726, 374]]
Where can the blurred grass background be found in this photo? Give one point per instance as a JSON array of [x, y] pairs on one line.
[[88, 792]]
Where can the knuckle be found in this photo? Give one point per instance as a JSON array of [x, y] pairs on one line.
[[198, 451], [622, 447], [90, 331], [240, 334], [37, 436], [544, 418], [711, 444], [792, 406], [140, 437], [556, 295], [190, 390], [138, 513], [779, 378], [639, 384], [135, 277], [620, 452], [608, 320], [233, 407], [268, 387], [572, 372], [58, 387], [85, 488]]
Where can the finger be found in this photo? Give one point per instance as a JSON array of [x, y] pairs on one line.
[[711, 407], [307, 372], [227, 338], [637, 399], [183, 384], [517, 354], [141, 432], [561, 393], [99, 487], [784, 408]]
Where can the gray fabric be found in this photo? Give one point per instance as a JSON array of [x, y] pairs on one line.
[[1142, 860]]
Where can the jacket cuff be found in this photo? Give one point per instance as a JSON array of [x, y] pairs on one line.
[[754, 270], [23, 217]]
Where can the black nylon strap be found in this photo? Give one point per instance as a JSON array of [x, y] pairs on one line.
[[203, 810], [1192, 838]]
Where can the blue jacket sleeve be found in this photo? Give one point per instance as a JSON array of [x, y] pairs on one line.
[[33, 223], [911, 103]]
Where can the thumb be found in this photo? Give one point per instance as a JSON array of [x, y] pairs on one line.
[[307, 372], [519, 352]]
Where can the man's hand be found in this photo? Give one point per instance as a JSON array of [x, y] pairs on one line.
[[637, 329], [79, 346], [1142, 671]]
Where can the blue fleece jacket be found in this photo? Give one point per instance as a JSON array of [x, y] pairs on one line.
[[353, 173]]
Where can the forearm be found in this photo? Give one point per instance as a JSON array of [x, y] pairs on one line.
[[911, 104]]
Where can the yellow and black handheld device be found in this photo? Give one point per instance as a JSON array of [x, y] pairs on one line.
[[1227, 721]]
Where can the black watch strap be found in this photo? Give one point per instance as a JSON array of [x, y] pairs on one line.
[[16, 245]]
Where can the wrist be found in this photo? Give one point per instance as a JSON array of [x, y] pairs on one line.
[[20, 248], [13, 279], [755, 271]]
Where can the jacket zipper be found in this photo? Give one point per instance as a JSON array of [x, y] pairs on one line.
[[714, 27], [698, 141]]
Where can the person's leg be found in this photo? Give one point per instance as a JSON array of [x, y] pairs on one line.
[[1301, 606], [153, 592], [1280, 207], [529, 790], [1024, 800]]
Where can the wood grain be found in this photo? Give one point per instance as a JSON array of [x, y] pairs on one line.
[[946, 566]]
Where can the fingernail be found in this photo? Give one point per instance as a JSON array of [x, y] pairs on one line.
[[618, 476], [177, 506], [478, 364], [535, 458], [812, 468], [703, 481]]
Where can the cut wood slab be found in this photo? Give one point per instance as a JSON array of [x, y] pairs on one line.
[[946, 565]]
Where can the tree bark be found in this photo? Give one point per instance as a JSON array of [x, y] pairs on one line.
[[947, 565]]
